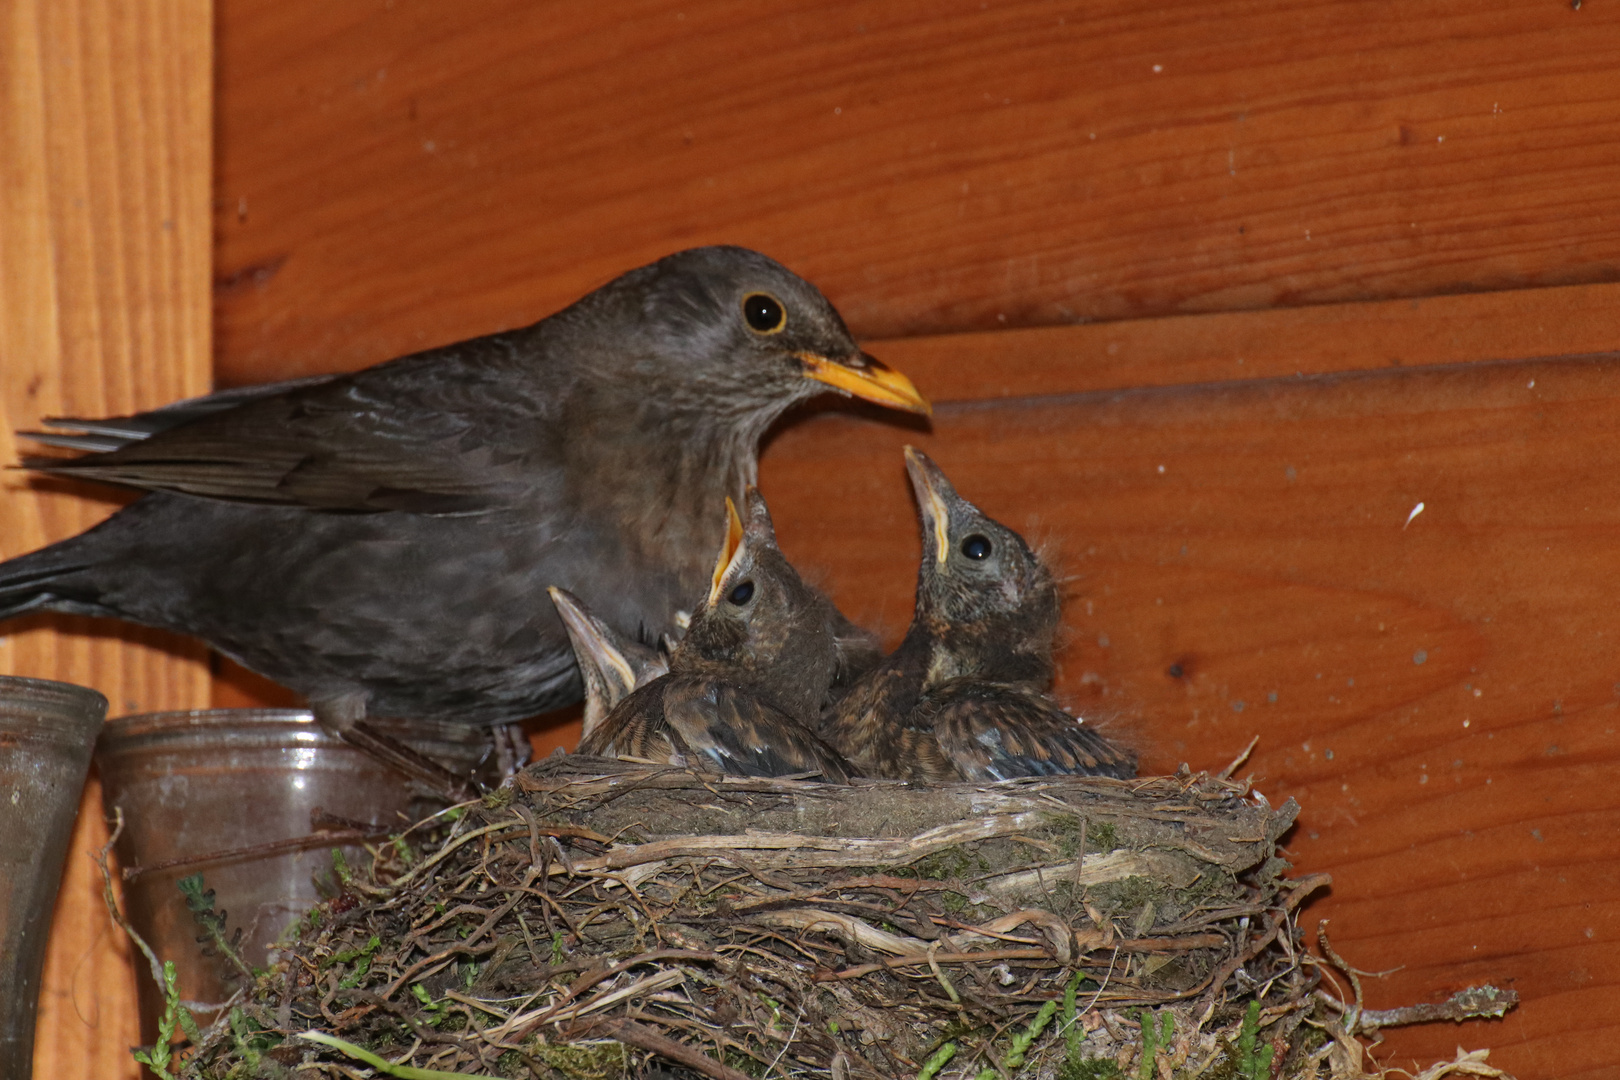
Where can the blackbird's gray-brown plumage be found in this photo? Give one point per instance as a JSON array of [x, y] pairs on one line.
[[610, 666], [379, 541], [748, 680], [965, 694]]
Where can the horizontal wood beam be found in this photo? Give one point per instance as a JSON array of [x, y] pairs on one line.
[[1523, 324], [398, 176]]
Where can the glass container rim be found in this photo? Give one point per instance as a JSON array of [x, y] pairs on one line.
[[138, 728], [19, 693]]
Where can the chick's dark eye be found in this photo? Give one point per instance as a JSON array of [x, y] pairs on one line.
[[764, 313], [743, 593], [976, 547]]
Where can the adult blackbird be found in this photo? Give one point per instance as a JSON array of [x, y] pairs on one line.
[[749, 678], [379, 541], [610, 666], [965, 694]]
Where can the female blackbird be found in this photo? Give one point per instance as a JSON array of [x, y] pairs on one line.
[[964, 696], [379, 541], [609, 666], [749, 677]]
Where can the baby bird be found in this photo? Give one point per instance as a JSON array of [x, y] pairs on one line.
[[609, 665], [749, 678], [965, 694]]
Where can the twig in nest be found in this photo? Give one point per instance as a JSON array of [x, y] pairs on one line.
[[334, 838], [112, 901], [1475, 1003], [645, 1038], [1237, 762]]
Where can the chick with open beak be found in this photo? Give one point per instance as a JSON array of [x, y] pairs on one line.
[[748, 680], [965, 696]]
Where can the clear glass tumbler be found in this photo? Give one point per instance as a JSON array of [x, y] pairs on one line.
[[47, 733], [195, 787]]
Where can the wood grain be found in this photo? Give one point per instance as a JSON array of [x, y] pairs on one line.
[[1274, 236], [1438, 694], [104, 308], [400, 175]]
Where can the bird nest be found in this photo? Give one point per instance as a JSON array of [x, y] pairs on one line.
[[597, 918]]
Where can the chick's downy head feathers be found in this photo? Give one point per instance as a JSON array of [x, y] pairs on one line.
[[977, 578], [761, 625]]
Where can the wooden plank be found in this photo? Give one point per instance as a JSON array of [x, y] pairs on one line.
[[1520, 324], [399, 175], [104, 308], [1437, 690]]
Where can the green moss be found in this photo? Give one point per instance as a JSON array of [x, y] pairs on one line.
[[584, 1061], [946, 865], [1126, 896], [1097, 1068], [1102, 836]]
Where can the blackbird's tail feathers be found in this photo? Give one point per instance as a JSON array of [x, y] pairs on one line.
[[44, 579], [93, 442]]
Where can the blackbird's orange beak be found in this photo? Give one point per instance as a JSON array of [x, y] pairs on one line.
[[867, 378], [728, 550], [929, 483]]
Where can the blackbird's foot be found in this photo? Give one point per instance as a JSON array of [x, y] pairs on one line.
[[345, 717], [512, 748]]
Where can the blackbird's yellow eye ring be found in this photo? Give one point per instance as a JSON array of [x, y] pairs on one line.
[[764, 313]]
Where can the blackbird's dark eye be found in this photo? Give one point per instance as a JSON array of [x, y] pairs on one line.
[[976, 547], [764, 313], [743, 593]]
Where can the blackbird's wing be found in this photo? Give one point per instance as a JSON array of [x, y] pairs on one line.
[[441, 432], [726, 728], [116, 432], [994, 732]]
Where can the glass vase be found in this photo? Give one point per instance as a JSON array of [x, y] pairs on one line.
[[47, 734], [228, 794]]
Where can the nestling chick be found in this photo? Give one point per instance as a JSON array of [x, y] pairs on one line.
[[610, 666], [749, 678], [965, 694]]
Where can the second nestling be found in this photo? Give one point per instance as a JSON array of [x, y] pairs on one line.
[[748, 680]]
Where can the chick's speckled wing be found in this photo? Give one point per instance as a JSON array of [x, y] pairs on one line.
[[869, 723], [717, 726], [993, 732], [634, 728]]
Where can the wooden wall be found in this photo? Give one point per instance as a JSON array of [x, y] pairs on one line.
[[1215, 293], [104, 308]]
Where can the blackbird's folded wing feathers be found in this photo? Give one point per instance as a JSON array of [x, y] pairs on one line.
[[994, 732], [740, 734], [422, 434], [115, 432]]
